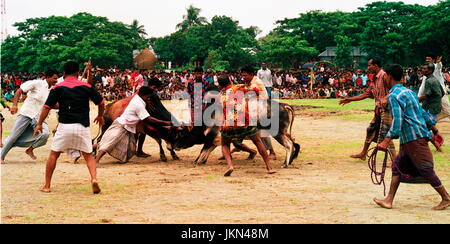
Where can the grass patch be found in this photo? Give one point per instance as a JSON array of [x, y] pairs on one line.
[[355, 117], [442, 159], [332, 104], [336, 147]]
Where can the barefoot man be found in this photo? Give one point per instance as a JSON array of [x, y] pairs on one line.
[[73, 133], [22, 133], [382, 121], [412, 125], [236, 122]]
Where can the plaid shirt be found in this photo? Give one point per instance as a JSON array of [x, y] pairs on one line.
[[235, 105], [409, 121], [377, 90]]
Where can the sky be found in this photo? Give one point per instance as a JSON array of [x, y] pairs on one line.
[[161, 16]]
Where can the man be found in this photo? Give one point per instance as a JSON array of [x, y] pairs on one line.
[[145, 77], [433, 91], [120, 139], [22, 133], [437, 73], [235, 111], [258, 107], [265, 75], [73, 134], [196, 88], [432, 94], [414, 80], [412, 125], [382, 120], [261, 109], [138, 80]]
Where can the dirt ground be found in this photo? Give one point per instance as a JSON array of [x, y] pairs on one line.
[[323, 186]]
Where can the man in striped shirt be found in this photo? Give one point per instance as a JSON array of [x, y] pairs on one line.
[[412, 125]]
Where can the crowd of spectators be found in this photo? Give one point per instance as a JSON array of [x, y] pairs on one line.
[[318, 83]]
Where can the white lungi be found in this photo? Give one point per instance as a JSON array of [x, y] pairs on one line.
[[72, 138]]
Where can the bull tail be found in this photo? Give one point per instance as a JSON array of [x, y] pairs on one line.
[[292, 116], [297, 147]]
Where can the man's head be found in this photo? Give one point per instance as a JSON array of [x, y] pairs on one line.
[[223, 81], [427, 69], [264, 66], [374, 65], [145, 93], [430, 58], [154, 84], [248, 73], [394, 75], [51, 76], [71, 69]]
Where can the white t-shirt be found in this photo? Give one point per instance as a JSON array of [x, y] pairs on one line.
[[133, 114], [37, 93], [266, 77]]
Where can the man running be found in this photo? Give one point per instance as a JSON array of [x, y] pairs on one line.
[[22, 133], [236, 121]]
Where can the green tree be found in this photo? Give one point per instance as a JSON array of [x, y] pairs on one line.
[[137, 28], [387, 31], [45, 43], [343, 51], [192, 18], [319, 28], [286, 51], [430, 34]]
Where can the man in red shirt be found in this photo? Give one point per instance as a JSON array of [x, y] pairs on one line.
[[382, 120]]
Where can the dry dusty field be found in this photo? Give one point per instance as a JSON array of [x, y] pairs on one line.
[[323, 186]]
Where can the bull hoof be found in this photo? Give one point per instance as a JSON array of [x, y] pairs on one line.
[[285, 166], [176, 158], [163, 159]]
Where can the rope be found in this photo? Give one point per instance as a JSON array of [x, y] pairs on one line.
[[378, 177]]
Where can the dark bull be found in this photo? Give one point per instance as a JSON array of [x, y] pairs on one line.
[[116, 109], [209, 137]]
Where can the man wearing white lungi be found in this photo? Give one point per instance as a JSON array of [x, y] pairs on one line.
[[22, 133], [73, 133], [119, 140]]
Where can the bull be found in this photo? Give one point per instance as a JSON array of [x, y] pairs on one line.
[[209, 137]]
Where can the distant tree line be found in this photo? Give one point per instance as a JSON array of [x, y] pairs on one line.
[[393, 31]]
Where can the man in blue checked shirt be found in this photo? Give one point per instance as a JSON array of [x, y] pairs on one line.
[[414, 163]]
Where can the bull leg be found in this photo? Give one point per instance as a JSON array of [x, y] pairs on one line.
[[162, 154], [204, 154], [140, 153], [174, 155], [288, 144]]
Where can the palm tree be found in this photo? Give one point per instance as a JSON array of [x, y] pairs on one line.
[[192, 18], [136, 28]]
